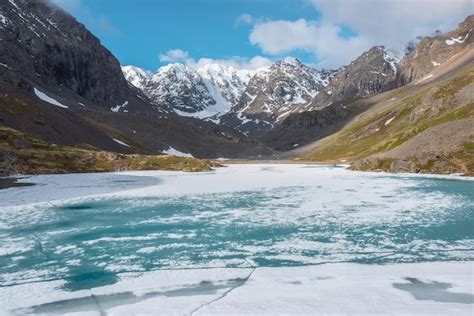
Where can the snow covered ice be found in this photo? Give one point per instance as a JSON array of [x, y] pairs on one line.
[[242, 239]]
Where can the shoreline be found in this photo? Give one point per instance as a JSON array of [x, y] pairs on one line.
[[12, 181]]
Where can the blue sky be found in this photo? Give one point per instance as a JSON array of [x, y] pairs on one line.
[[325, 33]]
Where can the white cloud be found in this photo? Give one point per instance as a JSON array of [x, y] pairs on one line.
[[394, 22], [174, 56], [244, 19], [279, 37], [181, 56], [376, 22], [238, 62]]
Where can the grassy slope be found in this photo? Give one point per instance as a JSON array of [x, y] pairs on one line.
[[413, 109], [23, 154]]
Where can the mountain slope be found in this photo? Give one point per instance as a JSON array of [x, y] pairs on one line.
[[416, 128], [285, 87], [44, 47], [372, 72], [179, 87], [60, 85], [209, 90], [432, 51]]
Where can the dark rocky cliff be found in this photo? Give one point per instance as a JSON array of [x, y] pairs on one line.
[[44, 46]]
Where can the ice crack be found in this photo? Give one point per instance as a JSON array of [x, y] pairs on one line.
[[40, 246], [225, 293], [96, 301]]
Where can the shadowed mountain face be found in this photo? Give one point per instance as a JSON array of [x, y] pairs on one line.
[[42, 46]]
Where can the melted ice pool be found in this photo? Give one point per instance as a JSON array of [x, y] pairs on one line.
[[241, 216]]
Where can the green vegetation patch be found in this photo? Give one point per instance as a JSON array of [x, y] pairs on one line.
[[23, 154]]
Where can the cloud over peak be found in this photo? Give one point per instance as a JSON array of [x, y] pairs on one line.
[[182, 56], [391, 23]]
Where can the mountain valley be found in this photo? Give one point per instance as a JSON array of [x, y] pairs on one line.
[[60, 86]]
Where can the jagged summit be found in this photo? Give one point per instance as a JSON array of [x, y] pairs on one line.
[[372, 72], [44, 47], [136, 76], [283, 88], [203, 91], [290, 61]]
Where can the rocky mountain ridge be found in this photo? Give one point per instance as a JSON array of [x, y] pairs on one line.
[[204, 91], [285, 87], [233, 97], [45, 48]]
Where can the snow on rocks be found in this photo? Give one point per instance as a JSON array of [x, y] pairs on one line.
[[121, 143], [391, 59], [389, 121], [119, 107], [5, 65], [136, 76], [175, 152], [3, 21], [458, 40], [44, 97]]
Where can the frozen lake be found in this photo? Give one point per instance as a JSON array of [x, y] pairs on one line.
[[241, 239]]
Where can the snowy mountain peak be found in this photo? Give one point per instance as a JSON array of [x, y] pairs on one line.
[[136, 76], [180, 87], [230, 82], [290, 61], [210, 89]]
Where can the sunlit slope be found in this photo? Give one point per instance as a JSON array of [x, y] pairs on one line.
[[422, 127]]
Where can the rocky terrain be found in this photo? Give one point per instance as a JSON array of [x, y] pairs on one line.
[[432, 51], [47, 49], [22, 154], [426, 126], [372, 72], [284, 88]]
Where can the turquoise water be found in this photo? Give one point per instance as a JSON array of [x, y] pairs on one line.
[[88, 242]]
